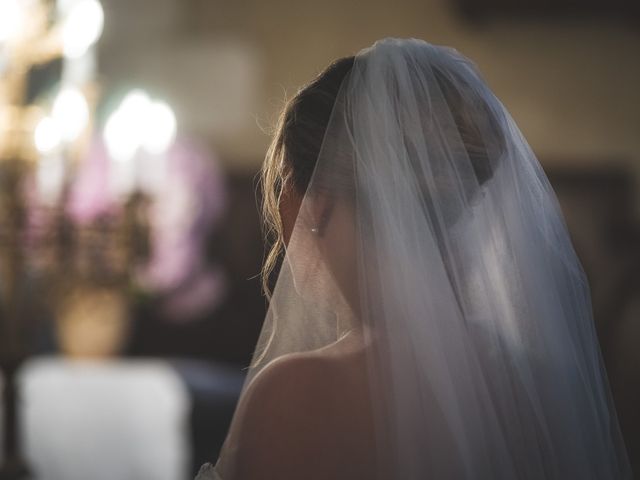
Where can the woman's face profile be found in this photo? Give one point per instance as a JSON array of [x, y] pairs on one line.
[[289, 206], [324, 239]]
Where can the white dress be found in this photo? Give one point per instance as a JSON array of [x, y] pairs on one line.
[[207, 472]]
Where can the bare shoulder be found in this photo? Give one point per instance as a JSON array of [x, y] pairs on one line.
[[305, 375], [291, 386], [290, 412]]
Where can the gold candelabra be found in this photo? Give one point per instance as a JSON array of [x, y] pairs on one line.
[[32, 33]]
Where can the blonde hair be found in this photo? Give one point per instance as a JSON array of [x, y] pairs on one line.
[[272, 181], [292, 155]]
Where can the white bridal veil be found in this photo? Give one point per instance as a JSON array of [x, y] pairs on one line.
[[430, 234]]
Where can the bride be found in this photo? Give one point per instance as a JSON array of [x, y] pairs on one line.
[[430, 319]]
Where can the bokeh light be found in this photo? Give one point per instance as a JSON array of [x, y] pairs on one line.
[[12, 17], [47, 136], [139, 122], [82, 27], [71, 112]]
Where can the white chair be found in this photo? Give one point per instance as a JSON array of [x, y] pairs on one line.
[[104, 420]]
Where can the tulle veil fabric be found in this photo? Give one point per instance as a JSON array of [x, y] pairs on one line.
[[453, 266]]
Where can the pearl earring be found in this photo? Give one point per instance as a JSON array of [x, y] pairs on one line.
[[315, 230]]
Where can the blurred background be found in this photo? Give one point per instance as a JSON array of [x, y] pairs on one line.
[[131, 132]]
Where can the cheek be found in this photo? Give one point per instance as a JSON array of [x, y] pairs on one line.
[[289, 207]]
